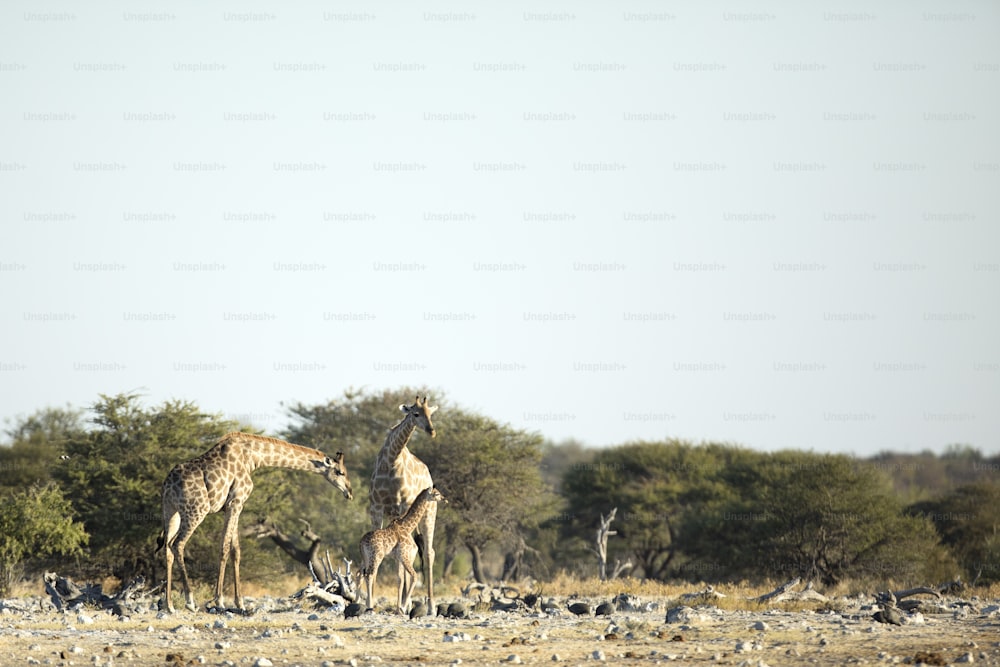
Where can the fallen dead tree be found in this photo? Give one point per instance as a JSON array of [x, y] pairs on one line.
[[784, 593], [895, 598], [339, 590], [66, 594]]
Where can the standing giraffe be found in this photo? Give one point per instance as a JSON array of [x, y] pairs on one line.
[[220, 480], [399, 478], [396, 540]]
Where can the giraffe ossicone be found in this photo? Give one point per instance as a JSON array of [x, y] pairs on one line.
[[220, 480]]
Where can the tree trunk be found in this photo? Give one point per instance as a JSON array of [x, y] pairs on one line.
[[450, 551], [477, 562]]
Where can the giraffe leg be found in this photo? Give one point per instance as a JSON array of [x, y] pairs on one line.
[[407, 575], [230, 544], [237, 588], [376, 561], [188, 524], [426, 532], [171, 525], [400, 583]]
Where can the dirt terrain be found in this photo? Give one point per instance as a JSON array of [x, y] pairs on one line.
[[950, 630]]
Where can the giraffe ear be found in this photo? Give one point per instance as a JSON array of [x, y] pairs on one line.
[[403, 407], [431, 410]]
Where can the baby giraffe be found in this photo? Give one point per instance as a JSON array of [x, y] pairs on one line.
[[396, 539]]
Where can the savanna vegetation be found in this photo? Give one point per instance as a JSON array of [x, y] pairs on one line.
[[80, 492]]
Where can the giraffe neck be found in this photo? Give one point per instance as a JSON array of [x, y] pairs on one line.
[[413, 515], [396, 441], [273, 453]]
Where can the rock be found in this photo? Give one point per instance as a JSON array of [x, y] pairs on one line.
[[84, 619], [598, 655], [744, 646], [514, 659], [761, 626], [555, 657], [685, 615], [222, 646], [263, 662], [966, 657]]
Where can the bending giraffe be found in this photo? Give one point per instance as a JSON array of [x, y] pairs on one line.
[[396, 540], [220, 480], [398, 479]]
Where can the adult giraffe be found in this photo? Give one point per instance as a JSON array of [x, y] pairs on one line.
[[219, 480], [398, 479]]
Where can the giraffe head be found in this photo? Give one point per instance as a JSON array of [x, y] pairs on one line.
[[433, 495], [336, 473], [421, 413]]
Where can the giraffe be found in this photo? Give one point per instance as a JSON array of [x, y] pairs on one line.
[[220, 480], [399, 477], [396, 540]]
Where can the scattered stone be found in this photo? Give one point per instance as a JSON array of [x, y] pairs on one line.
[[84, 619], [555, 657], [263, 662], [744, 646], [456, 637], [966, 657], [598, 655], [685, 615], [761, 626], [514, 659], [222, 646]]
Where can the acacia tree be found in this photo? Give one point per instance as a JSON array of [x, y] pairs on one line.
[[968, 521], [113, 474], [35, 445], [822, 517], [35, 522], [488, 472], [655, 486]]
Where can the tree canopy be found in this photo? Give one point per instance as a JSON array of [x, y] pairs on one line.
[[518, 506]]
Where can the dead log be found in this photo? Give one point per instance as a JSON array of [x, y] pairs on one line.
[[340, 590], [309, 557], [784, 593], [65, 594]]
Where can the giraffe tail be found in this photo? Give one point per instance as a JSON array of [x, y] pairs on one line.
[[160, 541], [168, 534]]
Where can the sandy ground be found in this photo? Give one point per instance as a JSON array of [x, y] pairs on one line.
[[280, 632]]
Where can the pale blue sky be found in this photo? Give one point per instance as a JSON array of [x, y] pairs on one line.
[[774, 224]]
